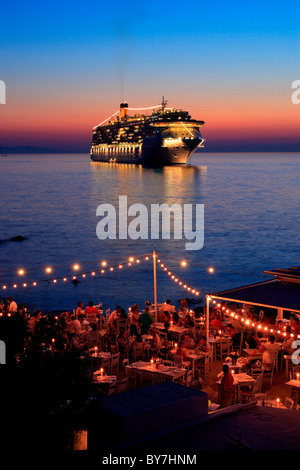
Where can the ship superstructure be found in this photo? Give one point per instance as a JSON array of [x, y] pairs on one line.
[[167, 136]]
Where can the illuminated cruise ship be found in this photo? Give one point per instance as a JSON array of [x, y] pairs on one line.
[[167, 136]]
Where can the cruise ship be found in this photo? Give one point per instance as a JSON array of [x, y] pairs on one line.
[[166, 136]]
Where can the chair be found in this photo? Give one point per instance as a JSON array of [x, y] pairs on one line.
[[114, 368], [122, 385], [260, 396], [256, 372], [189, 377], [145, 378], [210, 357], [223, 349], [156, 378], [168, 363], [131, 376], [202, 365], [121, 326], [248, 394], [106, 365], [289, 403], [268, 374], [112, 388], [138, 354], [179, 362]]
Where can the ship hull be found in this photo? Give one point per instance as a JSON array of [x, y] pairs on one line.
[[151, 153]]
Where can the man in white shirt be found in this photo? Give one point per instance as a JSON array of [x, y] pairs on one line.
[[12, 306], [272, 347], [168, 307], [114, 317]]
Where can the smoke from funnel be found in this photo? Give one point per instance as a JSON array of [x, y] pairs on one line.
[[125, 32]]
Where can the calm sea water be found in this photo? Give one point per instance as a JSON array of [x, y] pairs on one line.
[[251, 224]]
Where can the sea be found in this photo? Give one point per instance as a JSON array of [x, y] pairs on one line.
[[251, 224]]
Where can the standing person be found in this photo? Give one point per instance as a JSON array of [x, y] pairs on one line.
[[79, 310], [145, 321], [226, 387], [134, 317], [114, 317], [168, 307], [12, 306]]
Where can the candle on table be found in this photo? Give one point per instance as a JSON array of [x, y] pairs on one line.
[[101, 372]]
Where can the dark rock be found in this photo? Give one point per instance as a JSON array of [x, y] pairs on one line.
[[18, 238]]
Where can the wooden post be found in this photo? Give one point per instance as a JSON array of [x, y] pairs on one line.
[[207, 319], [155, 287]]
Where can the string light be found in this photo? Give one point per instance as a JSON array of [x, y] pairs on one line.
[[21, 272]]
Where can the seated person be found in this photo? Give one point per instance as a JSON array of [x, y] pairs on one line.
[[188, 342], [91, 313], [123, 314], [155, 342], [287, 344], [202, 346], [252, 340], [122, 343], [196, 382], [234, 335], [267, 360], [175, 319], [217, 323], [74, 326]]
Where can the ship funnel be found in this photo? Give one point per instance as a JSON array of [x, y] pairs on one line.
[[123, 110]]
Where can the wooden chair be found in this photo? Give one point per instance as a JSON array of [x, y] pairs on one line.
[[202, 365], [114, 368], [289, 403], [138, 354], [145, 378], [189, 377], [122, 385], [112, 388], [268, 374], [166, 362], [106, 365], [223, 349], [156, 378], [179, 362], [248, 394], [132, 378], [260, 396]]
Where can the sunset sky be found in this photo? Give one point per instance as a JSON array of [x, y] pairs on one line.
[[68, 65]]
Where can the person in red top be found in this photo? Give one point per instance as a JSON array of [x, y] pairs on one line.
[[216, 324], [226, 388], [91, 313]]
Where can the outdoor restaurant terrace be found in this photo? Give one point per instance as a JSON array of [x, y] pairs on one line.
[[78, 362]]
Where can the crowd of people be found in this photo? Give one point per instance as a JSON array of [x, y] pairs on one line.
[[85, 328]]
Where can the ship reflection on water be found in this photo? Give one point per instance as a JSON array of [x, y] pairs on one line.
[[176, 183]]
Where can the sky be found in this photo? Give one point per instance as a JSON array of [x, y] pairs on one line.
[[68, 65]]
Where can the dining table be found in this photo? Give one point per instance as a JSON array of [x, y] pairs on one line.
[[294, 384], [239, 381], [177, 331], [165, 372]]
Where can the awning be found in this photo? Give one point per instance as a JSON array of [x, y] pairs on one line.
[[273, 294]]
